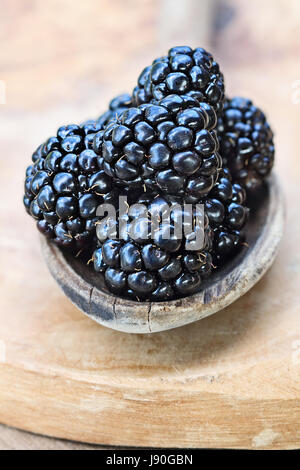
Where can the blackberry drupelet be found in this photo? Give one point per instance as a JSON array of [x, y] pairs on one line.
[[227, 216], [120, 102], [141, 264], [183, 71], [169, 147], [246, 142]]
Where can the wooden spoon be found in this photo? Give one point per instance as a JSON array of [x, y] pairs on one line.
[[86, 289]]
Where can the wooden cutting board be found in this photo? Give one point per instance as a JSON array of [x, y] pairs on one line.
[[230, 380]]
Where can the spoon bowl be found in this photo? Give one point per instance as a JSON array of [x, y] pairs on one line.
[[86, 288]]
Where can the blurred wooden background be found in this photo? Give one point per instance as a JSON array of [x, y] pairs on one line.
[[62, 60]]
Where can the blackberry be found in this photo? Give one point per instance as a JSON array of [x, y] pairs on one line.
[[65, 182], [144, 263], [246, 142], [183, 71], [64, 187], [168, 147], [227, 214]]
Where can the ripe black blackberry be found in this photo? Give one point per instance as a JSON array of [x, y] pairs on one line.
[[145, 265], [246, 142], [65, 182], [64, 187], [227, 214], [168, 147], [183, 71]]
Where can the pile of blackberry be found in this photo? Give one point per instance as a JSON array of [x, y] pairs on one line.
[[174, 148]]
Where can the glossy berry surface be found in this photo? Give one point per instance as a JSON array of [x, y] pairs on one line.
[[63, 191], [183, 71], [227, 216], [246, 142], [168, 147], [160, 266], [116, 106]]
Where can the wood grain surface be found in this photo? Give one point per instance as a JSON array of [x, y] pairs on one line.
[[231, 380]]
